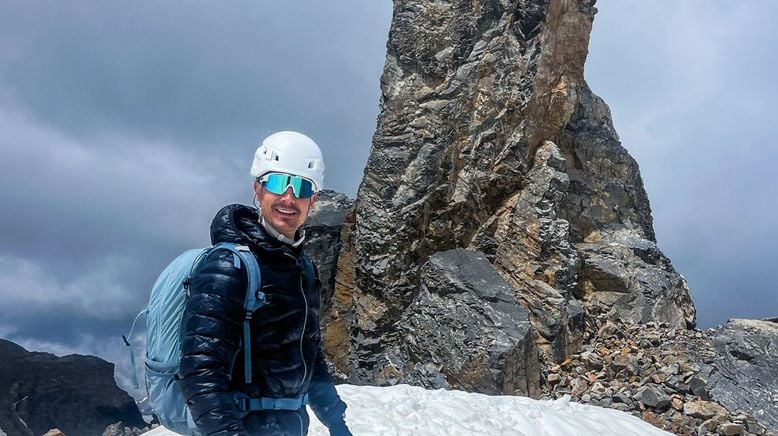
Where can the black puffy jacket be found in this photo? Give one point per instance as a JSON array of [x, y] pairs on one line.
[[286, 355]]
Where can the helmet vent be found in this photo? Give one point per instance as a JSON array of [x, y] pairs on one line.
[[310, 165]]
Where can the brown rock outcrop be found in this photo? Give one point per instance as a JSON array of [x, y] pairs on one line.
[[490, 139]]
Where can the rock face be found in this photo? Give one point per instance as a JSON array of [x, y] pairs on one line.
[[744, 375], [324, 244], [489, 139], [464, 330], [529, 244], [76, 394], [322, 230]]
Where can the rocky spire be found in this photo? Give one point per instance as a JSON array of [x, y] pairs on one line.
[[489, 139]]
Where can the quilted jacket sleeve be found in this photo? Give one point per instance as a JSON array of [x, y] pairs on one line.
[[211, 329], [324, 399]]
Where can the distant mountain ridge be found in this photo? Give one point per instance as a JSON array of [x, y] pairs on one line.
[[76, 394]]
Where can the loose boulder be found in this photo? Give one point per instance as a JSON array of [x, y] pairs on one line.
[[465, 330]]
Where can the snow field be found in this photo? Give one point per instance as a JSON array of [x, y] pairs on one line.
[[408, 410]]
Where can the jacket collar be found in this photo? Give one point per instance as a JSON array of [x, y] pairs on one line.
[[240, 224]]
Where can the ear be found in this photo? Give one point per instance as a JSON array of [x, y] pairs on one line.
[[313, 199], [257, 189]]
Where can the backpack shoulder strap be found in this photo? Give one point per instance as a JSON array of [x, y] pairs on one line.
[[242, 255], [254, 299]]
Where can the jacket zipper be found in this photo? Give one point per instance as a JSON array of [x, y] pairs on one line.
[[305, 321], [305, 324]]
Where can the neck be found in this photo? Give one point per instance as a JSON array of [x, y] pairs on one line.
[[286, 239]]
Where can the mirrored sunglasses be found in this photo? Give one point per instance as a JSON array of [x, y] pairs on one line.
[[277, 183]]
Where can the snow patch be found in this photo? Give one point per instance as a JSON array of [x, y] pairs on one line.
[[410, 410]]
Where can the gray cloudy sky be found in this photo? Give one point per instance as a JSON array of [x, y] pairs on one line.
[[125, 125]]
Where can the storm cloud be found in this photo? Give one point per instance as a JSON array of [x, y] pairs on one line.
[[124, 126], [692, 92]]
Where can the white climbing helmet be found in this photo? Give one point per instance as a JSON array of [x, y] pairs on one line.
[[290, 152]]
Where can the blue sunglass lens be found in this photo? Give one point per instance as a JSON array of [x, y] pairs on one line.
[[304, 188], [277, 183]]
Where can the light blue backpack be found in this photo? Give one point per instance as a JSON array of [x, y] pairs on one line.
[[163, 333]]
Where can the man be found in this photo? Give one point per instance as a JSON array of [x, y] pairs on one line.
[[287, 361]]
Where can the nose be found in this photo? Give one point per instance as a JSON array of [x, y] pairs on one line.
[[288, 194]]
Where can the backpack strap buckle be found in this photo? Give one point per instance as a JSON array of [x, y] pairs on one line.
[[246, 404], [293, 403], [243, 403]]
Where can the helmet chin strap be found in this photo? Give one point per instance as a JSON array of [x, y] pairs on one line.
[[255, 200]]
